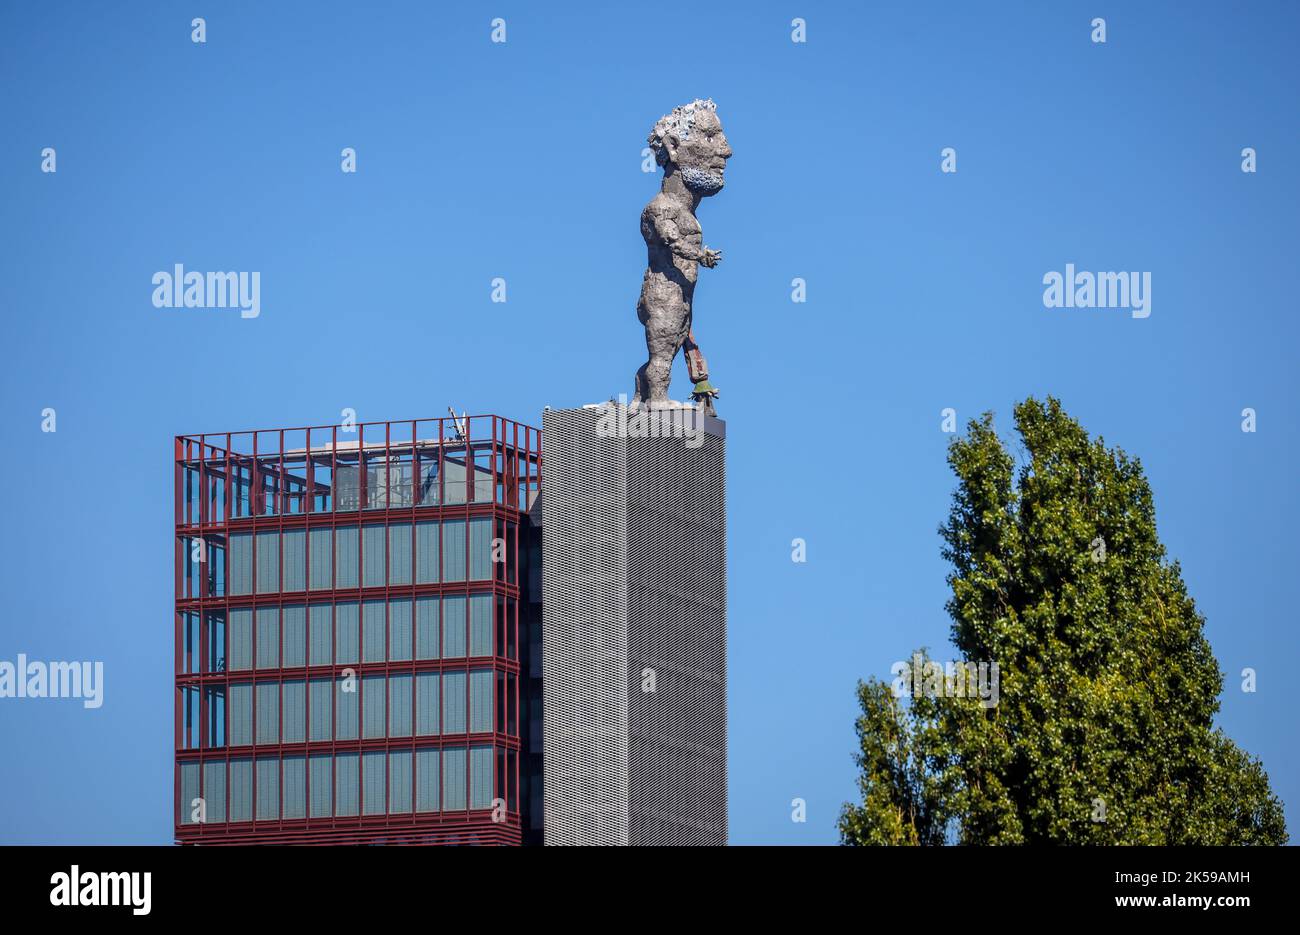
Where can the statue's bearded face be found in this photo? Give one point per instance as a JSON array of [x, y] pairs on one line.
[[702, 159]]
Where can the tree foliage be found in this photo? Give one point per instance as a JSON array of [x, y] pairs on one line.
[[1103, 728]]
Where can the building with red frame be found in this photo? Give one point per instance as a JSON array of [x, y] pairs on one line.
[[356, 634]]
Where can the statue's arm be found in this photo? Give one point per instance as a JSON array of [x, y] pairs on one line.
[[671, 237]]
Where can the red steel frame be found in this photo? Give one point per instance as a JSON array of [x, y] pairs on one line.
[[514, 460]]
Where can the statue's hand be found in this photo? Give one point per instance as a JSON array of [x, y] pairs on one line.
[[711, 258]]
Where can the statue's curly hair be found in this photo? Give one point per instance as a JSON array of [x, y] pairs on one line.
[[679, 124]]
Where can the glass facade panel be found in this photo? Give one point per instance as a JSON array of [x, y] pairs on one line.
[[347, 634], [268, 637], [427, 624], [293, 705], [347, 708], [294, 623], [426, 553], [241, 639], [268, 562], [241, 790], [373, 550], [453, 550], [453, 702], [426, 703], [454, 780], [375, 771], [427, 780], [322, 558], [345, 557], [453, 626], [480, 773], [399, 629], [399, 782], [214, 790], [241, 563], [399, 705], [373, 631], [373, 705], [322, 634], [399, 553], [480, 700], [347, 783], [295, 560], [294, 784], [322, 709], [268, 712], [480, 624], [268, 788], [322, 785]]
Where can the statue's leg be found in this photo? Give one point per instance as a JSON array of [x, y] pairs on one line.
[[663, 336]]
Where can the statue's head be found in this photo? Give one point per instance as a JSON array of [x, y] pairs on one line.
[[690, 141]]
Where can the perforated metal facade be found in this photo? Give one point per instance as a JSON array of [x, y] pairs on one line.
[[634, 598]]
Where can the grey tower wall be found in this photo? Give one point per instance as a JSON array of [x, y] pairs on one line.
[[633, 578]]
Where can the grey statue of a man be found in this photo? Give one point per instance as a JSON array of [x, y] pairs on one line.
[[690, 145]]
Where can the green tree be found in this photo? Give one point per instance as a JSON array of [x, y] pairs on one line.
[[1107, 689]]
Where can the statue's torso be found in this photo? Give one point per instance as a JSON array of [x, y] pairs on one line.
[[661, 260]]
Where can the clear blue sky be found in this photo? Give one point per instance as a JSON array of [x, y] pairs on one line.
[[523, 161]]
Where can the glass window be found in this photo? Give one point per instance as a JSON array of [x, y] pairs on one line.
[[399, 629], [322, 634], [426, 703], [217, 641], [241, 790], [214, 789], [295, 787], [426, 627], [322, 709], [347, 780], [453, 550], [453, 702], [399, 782], [322, 563], [376, 779], [295, 560], [345, 557], [216, 715], [480, 624], [241, 714], [426, 553], [480, 700], [241, 639], [268, 712], [241, 563], [375, 689], [294, 713], [347, 648], [480, 771], [372, 631], [453, 626], [399, 705], [346, 709], [268, 562], [189, 792], [480, 548], [322, 785], [268, 788], [453, 778], [268, 637], [295, 636], [427, 780], [373, 550], [399, 553]]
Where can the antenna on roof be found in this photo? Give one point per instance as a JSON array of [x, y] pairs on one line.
[[461, 428]]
